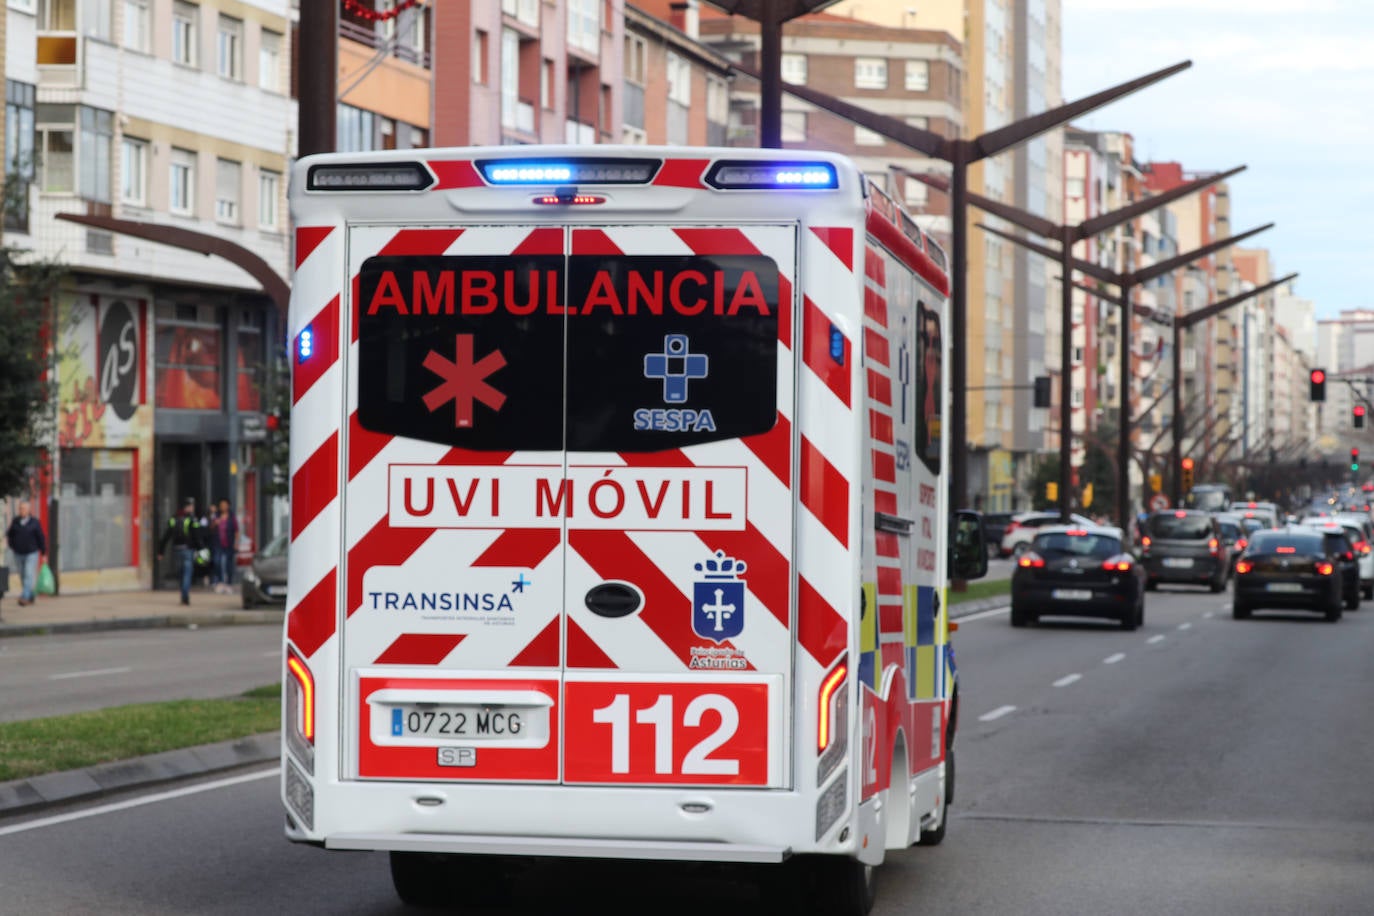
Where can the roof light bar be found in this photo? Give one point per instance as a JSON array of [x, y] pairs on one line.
[[574, 171], [736, 175], [369, 176]]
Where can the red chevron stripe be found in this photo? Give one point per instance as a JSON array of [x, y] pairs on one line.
[[314, 485], [816, 331], [522, 548], [880, 425], [542, 652], [420, 648], [825, 492], [594, 242], [454, 174], [879, 387], [681, 173], [888, 545], [308, 238], [884, 501], [717, 240], [420, 241], [875, 306], [839, 240], [774, 449], [547, 240], [353, 312], [884, 466], [889, 583], [314, 618], [875, 347], [324, 336], [820, 628], [583, 652], [875, 268], [890, 615], [363, 445], [785, 307]]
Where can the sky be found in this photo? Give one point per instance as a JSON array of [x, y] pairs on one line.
[[1285, 87]]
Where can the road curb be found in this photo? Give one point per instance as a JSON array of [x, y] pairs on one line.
[[965, 608], [210, 619], [25, 795]]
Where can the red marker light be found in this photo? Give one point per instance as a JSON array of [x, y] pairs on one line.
[[1324, 569], [1286, 550], [1244, 566], [1318, 376]]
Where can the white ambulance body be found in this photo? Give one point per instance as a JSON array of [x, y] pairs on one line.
[[618, 512]]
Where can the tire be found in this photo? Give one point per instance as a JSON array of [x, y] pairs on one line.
[[248, 603], [1334, 613], [1130, 619], [936, 837], [1218, 584], [1368, 592], [1018, 616], [1151, 585], [433, 880], [1352, 601], [1240, 610], [841, 886]]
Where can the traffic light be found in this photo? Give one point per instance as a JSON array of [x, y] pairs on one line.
[[1358, 413], [1187, 474], [1052, 491], [1318, 384], [1354, 459]]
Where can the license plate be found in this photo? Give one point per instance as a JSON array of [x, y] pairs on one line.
[[1283, 587], [1072, 594], [482, 723], [1178, 562]]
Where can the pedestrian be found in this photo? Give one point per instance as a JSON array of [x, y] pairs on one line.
[[222, 545], [25, 537], [183, 533], [203, 561]]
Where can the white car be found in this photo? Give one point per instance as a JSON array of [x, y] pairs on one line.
[[1020, 531], [1357, 530], [1268, 513]]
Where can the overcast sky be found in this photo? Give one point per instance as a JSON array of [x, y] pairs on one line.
[[1283, 86]]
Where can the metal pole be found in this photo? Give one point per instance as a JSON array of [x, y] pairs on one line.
[[770, 73], [1123, 457], [1066, 236], [1176, 450], [958, 327], [317, 116]]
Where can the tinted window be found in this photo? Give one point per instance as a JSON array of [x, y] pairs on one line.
[[661, 352], [930, 354], [1270, 541], [1230, 530], [1080, 545], [1171, 527]]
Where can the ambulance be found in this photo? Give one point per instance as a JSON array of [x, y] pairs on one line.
[[619, 515]]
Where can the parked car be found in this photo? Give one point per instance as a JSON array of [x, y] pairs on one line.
[[1340, 546], [1077, 572], [994, 527], [1023, 527], [1184, 545], [264, 580], [1287, 568]]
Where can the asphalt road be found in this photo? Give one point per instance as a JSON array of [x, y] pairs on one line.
[[74, 672], [1198, 765]]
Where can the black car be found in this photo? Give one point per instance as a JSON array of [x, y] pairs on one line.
[[1078, 572], [264, 582], [1341, 551], [1288, 568], [1184, 545]]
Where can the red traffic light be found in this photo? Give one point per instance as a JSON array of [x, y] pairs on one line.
[[1354, 454], [1359, 410], [1187, 464], [1318, 376]]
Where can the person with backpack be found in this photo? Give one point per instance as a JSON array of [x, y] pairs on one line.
[[25, 536], [184, 534]]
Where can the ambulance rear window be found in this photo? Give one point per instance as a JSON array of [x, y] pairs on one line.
[[588, 353]]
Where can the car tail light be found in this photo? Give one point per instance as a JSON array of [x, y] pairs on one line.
[[1363, 547], [1349, 555], [1213, 547], [1145, 543], [1119, 563], [1076, 532], [1011, 526], [1242, 544], [1243, 567], [1031, 560], [1324, 568], [1180, 514]]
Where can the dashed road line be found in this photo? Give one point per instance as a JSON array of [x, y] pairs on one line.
[[1113, 659], [1068, 679], [997, 713], [1185, 626], [1154, 639], [96, 673]]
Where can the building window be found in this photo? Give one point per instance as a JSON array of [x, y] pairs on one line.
[[229, 47], [97, 146], [865, 137], [356, 130], [1073, 187], [870, 73], [918, 76], [133, 172], [510, 79], [546, 84], [636, 52], [185, 33], [794, 69], [920, 121], [181, 198], [227, 174], [269, 61], [97, 508], [136, 25], [19, 153], [793, 126], [526, 11], [479, 57], [915, 193], [189, 342], [584, 25], [269, 193], [679, 79]]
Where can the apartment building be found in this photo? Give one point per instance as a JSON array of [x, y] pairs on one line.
[[385, 77], [677, 89], [155, 122]]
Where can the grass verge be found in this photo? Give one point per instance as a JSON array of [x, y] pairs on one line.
[[37, 746], [987, 588]]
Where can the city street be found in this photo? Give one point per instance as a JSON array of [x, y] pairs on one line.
[[1199, 765]]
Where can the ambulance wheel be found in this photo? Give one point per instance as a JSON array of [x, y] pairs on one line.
[[842, 886], [433, 880], [936, 836]]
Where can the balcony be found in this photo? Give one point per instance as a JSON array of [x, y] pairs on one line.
[[371, 38]]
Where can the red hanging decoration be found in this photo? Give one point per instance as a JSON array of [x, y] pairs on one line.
[[356, 8]]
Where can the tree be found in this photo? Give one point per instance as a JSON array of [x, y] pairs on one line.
[[27, 290]]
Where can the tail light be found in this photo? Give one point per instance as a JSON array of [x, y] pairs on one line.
[[1363, 547], [828, 718], [1119, 563], [300, 709], [1031, 560], [1145, 543], [832, 723], [1324, 568], [1243, 567], [1213, 546], [1242, 544], [1349, 555]]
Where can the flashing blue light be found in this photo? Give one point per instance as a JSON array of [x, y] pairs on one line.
[[305, 344], [765, 176], [837, 345], [811, 177], [529, 174]]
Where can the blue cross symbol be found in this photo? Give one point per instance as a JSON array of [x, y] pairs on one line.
[[675, 366], [521, 583]]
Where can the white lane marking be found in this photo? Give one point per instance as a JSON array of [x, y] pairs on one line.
[[994, 612], [1113, 659], [1207, 615], [275, 653], [1185, 626], [96, 673], [136, 802], [997, 713], [1068, 679], [1154, 639]]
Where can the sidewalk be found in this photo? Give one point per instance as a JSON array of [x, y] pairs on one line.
[[126, 610]]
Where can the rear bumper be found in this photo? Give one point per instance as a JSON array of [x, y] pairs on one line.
[[1106, 601], [1314, 596], [1202, 569], [476, 844]]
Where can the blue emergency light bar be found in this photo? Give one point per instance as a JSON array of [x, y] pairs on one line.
[[746, 175], [305, 344], [575, 171]]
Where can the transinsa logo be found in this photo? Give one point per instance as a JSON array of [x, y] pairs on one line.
[[463, 602]]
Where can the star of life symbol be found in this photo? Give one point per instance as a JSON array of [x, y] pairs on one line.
[[718, 598], [676, 366], [464, 381]]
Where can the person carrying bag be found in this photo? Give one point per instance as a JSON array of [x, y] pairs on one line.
[[184, 534], [25, 537]]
